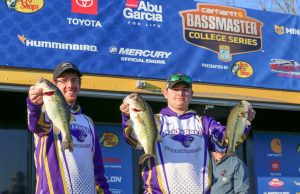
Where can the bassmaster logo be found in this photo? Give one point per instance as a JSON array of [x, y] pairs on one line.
[[25, 6], [282, 30], [141, 56], [221, 29], [57, 45], [143, 13]]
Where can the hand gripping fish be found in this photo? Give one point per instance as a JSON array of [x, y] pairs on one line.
[[236, 123], [143, 123], [57, 109]]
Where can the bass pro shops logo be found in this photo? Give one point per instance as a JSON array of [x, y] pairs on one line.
[[221, 29], [25, 6]]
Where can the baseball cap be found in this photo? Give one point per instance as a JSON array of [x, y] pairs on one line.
[[178, 78], [65, 67]]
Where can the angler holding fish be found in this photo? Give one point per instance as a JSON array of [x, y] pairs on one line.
[[68, 156], [181, 162]]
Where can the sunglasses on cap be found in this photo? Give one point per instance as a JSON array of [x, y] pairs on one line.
[[180, 77]]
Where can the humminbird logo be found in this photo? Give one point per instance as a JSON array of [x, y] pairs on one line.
[[57, 45]]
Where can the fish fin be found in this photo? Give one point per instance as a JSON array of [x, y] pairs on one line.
[[56, 130], [248, 122], [145, 157], [67, 145], [158, 138], [43, 108], [72, 118], [139, 147], [129, 122]]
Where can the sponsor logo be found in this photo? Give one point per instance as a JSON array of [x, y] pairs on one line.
[[114, 179], [140, 55], [276, 146], [275, 166], [116, 191], [286, 68], [242, 69], [276, 183], [84, 22], [297, 183], [280, 30], [132, 3], [25, 6], [221, 29], [109, 139], [57, 45], [112, 160], [85, 6], [143, 13]]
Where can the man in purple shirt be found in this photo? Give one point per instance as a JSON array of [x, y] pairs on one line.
[[182, 162], [63, 172]]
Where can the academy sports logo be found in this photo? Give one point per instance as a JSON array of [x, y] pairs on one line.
[[25, 6], [221, 29], [57, 45], [85, 6]]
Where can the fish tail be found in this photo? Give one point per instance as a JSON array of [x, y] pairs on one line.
[[67, 145], [145, 157]]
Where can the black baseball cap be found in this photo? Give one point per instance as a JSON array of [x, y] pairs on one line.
[[178, 78], [65, 67]]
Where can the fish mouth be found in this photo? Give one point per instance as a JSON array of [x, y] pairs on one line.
[[49, 93]]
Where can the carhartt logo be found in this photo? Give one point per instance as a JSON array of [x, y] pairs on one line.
[[85, 6]]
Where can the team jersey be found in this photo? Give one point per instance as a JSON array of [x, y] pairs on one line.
[[182, 162], [65, 172]]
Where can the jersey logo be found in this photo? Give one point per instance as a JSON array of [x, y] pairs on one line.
[[185, 140]]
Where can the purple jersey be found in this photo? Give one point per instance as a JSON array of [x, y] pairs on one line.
[[80, 171], [182, 162]]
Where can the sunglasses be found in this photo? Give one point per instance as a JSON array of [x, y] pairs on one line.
[[180, 77]]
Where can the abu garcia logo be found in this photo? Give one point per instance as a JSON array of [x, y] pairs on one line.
[[143, 11], [25, 6]]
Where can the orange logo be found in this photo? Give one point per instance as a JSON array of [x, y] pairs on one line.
[[276, 146], [109, 139], [242, 69], [279, 29]]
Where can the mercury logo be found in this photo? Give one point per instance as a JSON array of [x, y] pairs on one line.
[[84, 3]]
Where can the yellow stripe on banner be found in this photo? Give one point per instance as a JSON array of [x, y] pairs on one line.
[[16, 76], [61, 168], [50, 185]]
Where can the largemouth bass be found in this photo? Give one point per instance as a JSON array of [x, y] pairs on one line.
[[236, 123], [143, 123], [58, 111]]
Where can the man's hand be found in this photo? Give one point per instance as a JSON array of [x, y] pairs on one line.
[[251, 114], [35, 95], [124, 108]]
